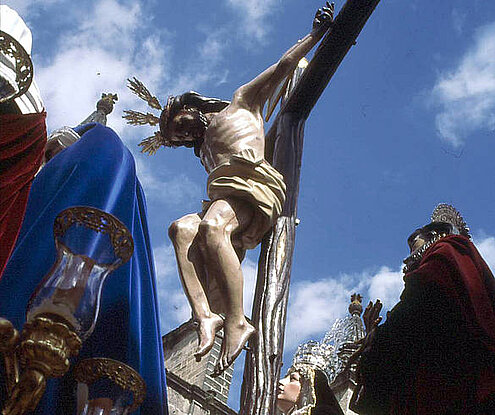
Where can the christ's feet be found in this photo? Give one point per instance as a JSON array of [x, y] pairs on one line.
[[234, 338], [207, 328]]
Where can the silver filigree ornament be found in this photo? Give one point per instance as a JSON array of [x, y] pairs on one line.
[[315, 354], [23, 66], [449, 214]]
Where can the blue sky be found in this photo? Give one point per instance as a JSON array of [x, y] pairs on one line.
[[407, 122]]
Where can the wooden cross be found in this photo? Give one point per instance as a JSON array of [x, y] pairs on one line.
[[284, 142]]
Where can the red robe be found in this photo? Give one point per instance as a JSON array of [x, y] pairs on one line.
[[435, 354], [22, 144]]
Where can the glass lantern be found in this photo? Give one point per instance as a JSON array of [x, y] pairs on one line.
[[90, 244], [63, 309]]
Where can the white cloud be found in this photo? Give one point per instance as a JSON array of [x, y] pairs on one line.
[[315, 305], [111, 25], [98, 55], [26, 8], [174, 308], [466, 94], [73, 96], [170, 192], [486, 247], [386, 285], [254, 16], [249, 270]]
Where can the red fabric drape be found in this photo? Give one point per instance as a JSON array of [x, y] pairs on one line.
[[22, 144], [435, 354], [455, 266]]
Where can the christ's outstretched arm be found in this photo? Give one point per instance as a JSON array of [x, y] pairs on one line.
[[254, 94]]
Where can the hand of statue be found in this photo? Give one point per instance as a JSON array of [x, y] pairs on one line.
[[371, 319], [371, 316], [323, 18]]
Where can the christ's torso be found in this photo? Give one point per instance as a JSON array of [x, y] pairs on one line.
[[229, 133]]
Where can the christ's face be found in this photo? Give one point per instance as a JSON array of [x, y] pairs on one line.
[[186, 126], [289, 389]]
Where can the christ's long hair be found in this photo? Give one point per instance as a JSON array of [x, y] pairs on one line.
[[193, 104]]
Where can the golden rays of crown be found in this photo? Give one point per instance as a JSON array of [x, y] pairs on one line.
[[151, 144], [138, 88]]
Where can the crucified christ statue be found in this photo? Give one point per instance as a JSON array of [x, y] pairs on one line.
[[246, 193]]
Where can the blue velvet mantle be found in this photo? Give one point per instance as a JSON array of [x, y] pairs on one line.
[[96, 171]]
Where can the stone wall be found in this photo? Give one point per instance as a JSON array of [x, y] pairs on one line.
[[191, 388]]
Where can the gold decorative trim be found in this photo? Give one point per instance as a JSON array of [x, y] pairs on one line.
[[47, 346], [139, 118], [89, 371], [9, 339], [151, 144], [99, 221], [23, 64]]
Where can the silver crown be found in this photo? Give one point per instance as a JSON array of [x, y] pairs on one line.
[[449, 214], [330, 355], [316, 354]]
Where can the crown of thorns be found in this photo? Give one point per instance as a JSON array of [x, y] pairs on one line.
[[151, 144]]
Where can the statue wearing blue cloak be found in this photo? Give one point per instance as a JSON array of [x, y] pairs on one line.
[[99, 171]]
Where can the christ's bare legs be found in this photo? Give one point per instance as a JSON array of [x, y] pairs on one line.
[[192, 270], [204, 245], [221, 222]]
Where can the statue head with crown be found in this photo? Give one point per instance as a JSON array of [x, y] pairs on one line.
[[305, 390], [445, 221]]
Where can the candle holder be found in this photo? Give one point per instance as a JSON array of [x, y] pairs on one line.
[[107, 387], [63, 310]]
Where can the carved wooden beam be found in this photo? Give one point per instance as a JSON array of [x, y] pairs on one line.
[[284, 150]]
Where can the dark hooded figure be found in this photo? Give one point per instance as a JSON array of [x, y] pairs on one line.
[[435, 354]]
